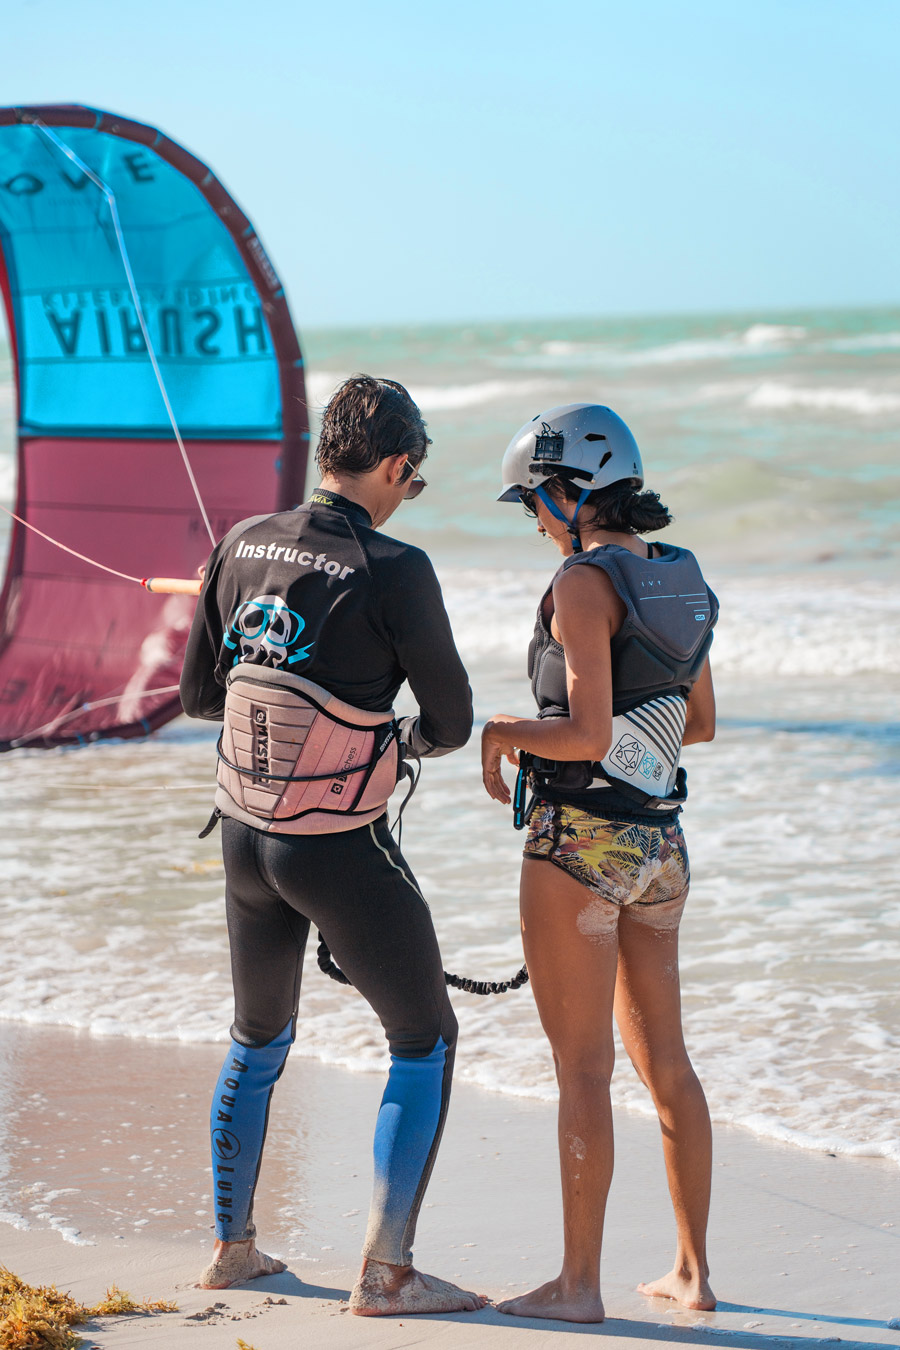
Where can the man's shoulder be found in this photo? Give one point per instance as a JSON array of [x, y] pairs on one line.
[[246, 526], [394, 554]]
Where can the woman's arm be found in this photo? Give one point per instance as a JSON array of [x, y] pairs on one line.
[[701, 710], [587, 614]]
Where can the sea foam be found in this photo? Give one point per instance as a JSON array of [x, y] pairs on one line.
[[858, 399]]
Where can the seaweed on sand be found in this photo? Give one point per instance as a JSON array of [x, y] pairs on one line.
[[41, 1317]]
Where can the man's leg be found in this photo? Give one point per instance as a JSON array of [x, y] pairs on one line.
[[267, 939], [357, 888]]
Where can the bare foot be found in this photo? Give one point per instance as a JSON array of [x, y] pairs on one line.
[[691, 1289], [384, 1291], [235, 1262], [559, 1302]]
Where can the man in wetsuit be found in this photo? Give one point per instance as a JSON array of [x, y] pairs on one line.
[[318, 592]]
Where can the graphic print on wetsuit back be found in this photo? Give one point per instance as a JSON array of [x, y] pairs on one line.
[[319, 593]]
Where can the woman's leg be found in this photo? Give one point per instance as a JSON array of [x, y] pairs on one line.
[[648, 1011], [569, 935]]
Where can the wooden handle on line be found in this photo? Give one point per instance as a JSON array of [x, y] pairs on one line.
[[172, 585]]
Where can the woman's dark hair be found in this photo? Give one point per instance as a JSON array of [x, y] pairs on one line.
[[368, 420], [619, 507]]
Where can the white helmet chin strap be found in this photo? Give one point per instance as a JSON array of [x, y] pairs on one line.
[[555, 511]]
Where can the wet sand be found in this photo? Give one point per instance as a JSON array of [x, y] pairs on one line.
[[103, 1156]]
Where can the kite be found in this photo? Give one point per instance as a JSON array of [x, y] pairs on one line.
[[160, 398]]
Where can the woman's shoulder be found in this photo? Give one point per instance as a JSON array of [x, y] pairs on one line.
[[583, 586]]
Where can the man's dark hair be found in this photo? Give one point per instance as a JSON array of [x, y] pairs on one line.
[[368, 420]]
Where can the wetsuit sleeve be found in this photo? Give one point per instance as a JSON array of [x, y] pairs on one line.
[[416, 620], [202, 693]]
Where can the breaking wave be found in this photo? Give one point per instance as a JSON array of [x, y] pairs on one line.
[[864, 402]]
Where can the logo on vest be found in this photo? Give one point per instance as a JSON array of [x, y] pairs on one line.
[[628, 754], [650, 767], [340, 781], [260, 723]]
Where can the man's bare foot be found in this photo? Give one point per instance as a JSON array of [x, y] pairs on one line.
[[554, 1300], [235, 1262], [691, 1289], [384, 1291]]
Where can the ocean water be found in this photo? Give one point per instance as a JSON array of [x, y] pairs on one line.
[[774, 440]]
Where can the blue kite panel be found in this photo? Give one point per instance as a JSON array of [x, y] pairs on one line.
[[83, 364]]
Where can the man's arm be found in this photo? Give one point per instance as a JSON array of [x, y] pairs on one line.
[[416, 620], [201, 693]]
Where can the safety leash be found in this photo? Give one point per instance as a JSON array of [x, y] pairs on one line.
[[328, 967]]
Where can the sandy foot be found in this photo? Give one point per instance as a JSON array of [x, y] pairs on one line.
[[235, 1262], [385, 1291], [692, 1291], [553, 1301]]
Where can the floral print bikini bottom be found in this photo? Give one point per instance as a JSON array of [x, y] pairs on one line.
[[618, 860]]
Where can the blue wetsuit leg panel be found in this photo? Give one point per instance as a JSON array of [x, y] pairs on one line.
[[238, 1121], [407, 1134]]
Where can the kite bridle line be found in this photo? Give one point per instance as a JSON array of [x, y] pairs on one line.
[[139, 310]]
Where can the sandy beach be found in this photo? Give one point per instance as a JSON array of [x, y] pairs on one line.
[[104, 1160]]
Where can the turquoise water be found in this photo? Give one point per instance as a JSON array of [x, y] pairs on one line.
[[774, 436], [774, 439]]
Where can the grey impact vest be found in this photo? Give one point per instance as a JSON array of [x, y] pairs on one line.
[[657, 656]]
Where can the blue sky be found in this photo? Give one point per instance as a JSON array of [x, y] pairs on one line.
[[409, 162]]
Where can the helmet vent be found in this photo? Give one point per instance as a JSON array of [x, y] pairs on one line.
[[594, 436], [606, 457]]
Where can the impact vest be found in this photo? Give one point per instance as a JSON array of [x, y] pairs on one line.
[[657, 656], [294, 759]]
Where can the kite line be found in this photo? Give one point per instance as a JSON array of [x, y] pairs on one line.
[[65, 548]]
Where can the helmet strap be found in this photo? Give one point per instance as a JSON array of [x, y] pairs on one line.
[[555, 511]]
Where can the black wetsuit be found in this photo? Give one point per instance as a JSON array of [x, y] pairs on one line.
[[319, 592], [359, 613]]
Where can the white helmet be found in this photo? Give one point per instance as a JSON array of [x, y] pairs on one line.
[[585, 443]]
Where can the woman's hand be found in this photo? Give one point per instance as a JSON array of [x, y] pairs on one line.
[[497, 741]]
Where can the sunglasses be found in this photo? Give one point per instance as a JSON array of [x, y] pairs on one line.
[[414, 478], [528, 498]]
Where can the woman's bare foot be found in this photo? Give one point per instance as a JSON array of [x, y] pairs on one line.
[[689, 1288], [235, 1262], [384, 1291], [564, 1303]]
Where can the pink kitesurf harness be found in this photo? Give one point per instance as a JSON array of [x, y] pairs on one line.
[[294, 759]]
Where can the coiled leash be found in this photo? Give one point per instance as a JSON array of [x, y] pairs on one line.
[[327, 965]]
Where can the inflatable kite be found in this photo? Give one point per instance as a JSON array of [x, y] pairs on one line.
[[160, 400]]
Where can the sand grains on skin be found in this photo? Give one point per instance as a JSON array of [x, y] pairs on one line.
[[554, 1303], [236, 1263], [388, 1291], [691, 1291]]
